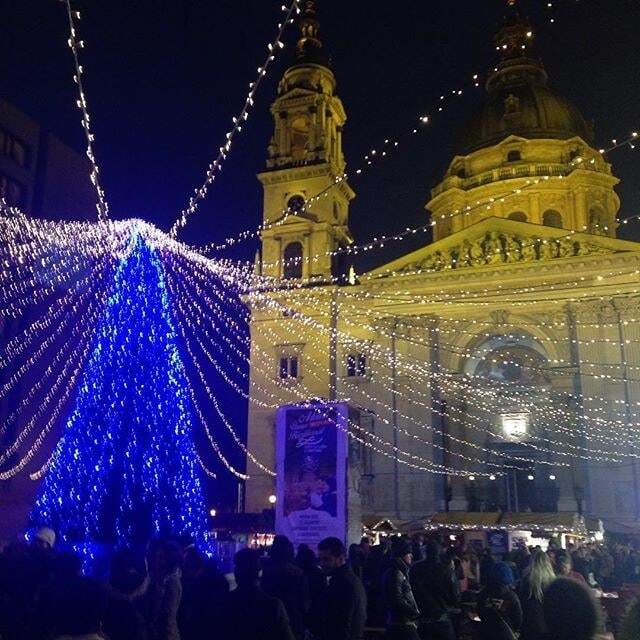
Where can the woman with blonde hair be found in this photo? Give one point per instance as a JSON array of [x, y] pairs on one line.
[[540, 576]]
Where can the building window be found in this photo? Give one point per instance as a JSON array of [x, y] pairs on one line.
[[552, 218], [356, 365], [289, 368], [292, 261], [299, 138], [14, 148], [518, 216], [514, 156], [13, 192]]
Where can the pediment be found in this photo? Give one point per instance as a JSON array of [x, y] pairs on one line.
[[296, 92], [295, 218], [498, 241]]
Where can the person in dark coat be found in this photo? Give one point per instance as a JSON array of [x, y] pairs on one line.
[[571, 611], [498, 605], [435, 589], [282, 579], [344, 612], [128, 583], [317, 582], [402, 610], [203, 591], [539, 576], [249, 613]]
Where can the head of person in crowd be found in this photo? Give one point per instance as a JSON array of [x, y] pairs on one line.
[[365, 545], [541, 575], [305, 557], [164, 558], [67, 565], [432, 552], [570, 611], [282, 549], [194, 562], [128, 571], [564, 564], [79, 607], [401, 550], [500, 576], [630, 626], [331, 555], [247, 568], [44, 539]]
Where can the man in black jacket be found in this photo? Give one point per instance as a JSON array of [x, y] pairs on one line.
[[248, 612], [402, 610], [345, 602]]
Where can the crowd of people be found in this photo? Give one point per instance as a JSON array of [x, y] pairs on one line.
[[402, 588]]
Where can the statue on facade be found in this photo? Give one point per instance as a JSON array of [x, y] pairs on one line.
[[566, 247], [464, 256], [528, 250], [476, 253], [547, 249], [512, 248], [493, 248]]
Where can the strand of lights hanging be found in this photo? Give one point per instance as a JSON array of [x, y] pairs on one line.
[[80, 336], [408, 232], [374, 154], [74, 44], [370, 159], [51, 338], [408, 433], [301, 393], [215, 167], [411, 398], [299, 390], [212, 396]]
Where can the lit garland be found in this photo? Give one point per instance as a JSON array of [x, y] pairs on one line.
[[75, 44], [216, 166]]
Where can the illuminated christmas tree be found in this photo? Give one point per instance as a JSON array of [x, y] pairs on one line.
[[126, 468]]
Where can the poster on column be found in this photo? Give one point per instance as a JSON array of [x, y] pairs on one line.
[[312, 454]]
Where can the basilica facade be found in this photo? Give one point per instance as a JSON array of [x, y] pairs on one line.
[[495, 368]]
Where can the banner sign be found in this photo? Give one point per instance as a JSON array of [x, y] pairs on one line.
[[312, 451]]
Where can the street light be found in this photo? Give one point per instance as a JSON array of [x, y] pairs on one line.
[[272, 499], [213, 513]]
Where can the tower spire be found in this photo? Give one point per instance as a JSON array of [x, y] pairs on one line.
[[310, 49]]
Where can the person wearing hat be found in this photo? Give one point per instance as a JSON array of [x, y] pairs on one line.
[[499, 607], [44, 538], [402, 610]]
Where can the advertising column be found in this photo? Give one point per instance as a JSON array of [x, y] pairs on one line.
[[311, 451]]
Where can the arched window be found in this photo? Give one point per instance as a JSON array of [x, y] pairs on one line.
[[518, 216], [552, 218], [292, 261], [299, 138], [514, 156]]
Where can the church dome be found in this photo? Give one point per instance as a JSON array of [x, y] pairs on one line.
[[519, 101]]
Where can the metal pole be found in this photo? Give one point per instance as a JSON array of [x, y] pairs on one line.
[[333, 347]]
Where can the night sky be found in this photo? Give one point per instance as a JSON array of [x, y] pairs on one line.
[[163, 80]]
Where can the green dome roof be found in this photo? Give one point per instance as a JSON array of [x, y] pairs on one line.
[[519, 102]]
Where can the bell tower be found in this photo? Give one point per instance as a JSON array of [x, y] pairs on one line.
[[301, 230]]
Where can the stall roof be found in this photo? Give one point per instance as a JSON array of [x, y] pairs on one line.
[[561, 521]]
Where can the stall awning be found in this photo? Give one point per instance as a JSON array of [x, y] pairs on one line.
[[466, 519], [552, 522]]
